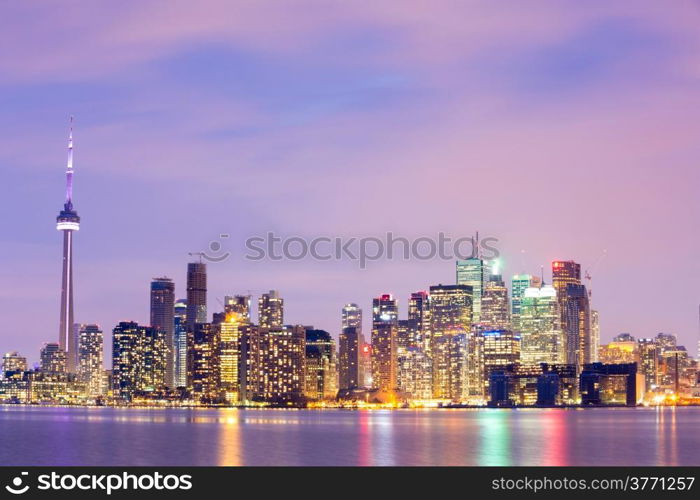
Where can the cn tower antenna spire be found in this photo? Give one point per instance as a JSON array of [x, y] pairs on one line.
[[69, 168]]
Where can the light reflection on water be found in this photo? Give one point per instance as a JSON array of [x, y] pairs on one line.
[[114, 436]]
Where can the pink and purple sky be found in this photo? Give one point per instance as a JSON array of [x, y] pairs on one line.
[[564, 129]]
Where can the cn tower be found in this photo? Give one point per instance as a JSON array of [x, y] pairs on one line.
[[68, 222]]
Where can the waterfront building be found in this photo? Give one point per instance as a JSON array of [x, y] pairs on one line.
[[649, 354], [90, 360], [163, 318], [180, 344], [271, 310], [415, 374], [603, 384], [53, 358], [540, 322], [321, 375], [595, 335], [196, 294], [203, 362], [384, 354], [139, 355], [282, 359], [13, 362], [228, 358], [350, 344]]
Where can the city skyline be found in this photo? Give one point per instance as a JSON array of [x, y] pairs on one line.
[[625, 168]]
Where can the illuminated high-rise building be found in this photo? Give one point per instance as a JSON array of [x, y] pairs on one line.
[[229, 359], [419, 320], [564, 273], [90, 360], [450, 310], [474, 273], [163, 318], [595, 334], [271, 310], [196, 294], [321, 374], [648, 355], [68, 222], [623, 349], [501, 348], [495, 313], [415, 374], [13, 362], [385, 309], [282, 364], [578, 341], [385, 320], [349, 370], [451, 316], [540, 327], [180, 343], [53, 358], [352, 317], [203, 362], [240, 305], [520, 283], [384, 355], [139, 357]]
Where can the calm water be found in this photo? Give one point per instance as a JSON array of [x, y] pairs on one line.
[[110, 436]]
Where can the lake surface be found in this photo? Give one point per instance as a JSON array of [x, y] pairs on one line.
[[151, 437]]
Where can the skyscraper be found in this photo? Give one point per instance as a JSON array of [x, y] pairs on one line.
[[53, 358], [385, 309], [494, 304], [520, 283], [540, 327], [419, 320], [203, 362], [595, 334], [321, 375], [90, 362], [578, 341], [163, 318], [229, 356], [450, 309], [474, 273], [349, 372], [67, 222], [180, 344], [282, 364], [271, 310], [385, 319], [196, 294], [384, 355], [453, 349], [138, 360], [352, 317], [564, 273]]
